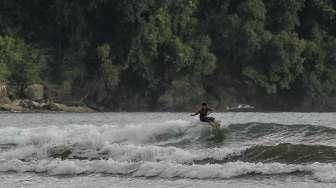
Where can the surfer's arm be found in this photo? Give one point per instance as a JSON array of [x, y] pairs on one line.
[[195, 114], [210, 110]]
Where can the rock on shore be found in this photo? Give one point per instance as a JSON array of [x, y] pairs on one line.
[[27, 105]]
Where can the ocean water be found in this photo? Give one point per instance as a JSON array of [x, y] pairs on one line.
[[167, 150]]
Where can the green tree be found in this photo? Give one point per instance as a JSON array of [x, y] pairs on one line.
[[20, 62], [283, 15], [280, 65], [170, 46]]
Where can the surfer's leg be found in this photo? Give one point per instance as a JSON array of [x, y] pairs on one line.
[[212, 122]]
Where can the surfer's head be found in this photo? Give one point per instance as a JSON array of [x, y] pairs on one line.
[[204, 105]]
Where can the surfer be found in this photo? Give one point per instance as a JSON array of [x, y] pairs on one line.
[[203, 114]]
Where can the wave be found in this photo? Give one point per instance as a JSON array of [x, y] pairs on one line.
[[118, 152], [282, 153], [296, 132], [171, 133], [252, 142], [320, 172], [173, 149], [132, 133]]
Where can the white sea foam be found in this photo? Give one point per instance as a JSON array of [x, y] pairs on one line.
[[118, 152], [120, 143], [132, 133], [322, 172]]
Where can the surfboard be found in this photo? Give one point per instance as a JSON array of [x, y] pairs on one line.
[[215, 125]]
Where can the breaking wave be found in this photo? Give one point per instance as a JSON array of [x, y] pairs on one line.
[[173, 149], [321, 172]]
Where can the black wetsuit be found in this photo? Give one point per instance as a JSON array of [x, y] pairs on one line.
[[204, 115]]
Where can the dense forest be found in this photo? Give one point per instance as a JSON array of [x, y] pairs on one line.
[[173, 54]]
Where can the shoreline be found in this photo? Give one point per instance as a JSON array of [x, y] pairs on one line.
[[95, 111], [29, 106]]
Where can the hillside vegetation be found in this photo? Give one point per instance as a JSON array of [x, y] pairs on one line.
[[173, 54]]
